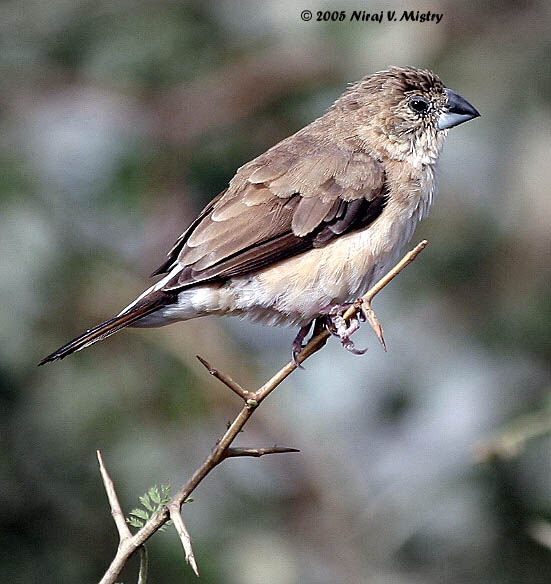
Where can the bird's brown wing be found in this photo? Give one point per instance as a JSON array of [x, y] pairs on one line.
[[279, 205], [173, 253]]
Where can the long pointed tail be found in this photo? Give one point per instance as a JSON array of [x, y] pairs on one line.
[[109, 327]]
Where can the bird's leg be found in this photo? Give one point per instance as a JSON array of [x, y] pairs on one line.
[[298, 344], [338, 327]]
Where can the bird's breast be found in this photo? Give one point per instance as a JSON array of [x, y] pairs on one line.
[[296, 290]]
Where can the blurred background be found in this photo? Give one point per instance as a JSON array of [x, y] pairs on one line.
[[427, 464]]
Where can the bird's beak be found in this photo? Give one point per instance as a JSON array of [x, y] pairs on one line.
[[456, 111]]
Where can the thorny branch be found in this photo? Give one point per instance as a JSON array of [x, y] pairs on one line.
[[129, 543]]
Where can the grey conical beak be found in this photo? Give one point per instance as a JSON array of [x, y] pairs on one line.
[[456, 111]]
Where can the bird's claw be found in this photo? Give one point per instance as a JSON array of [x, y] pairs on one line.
[[348, 344], [298, 344], [338, 327]]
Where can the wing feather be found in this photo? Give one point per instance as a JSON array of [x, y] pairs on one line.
[[310, 212], [280, 204]]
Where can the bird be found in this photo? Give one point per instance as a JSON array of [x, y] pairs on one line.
[[306, 227]]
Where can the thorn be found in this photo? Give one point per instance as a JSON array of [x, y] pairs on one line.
[[185, 538], [225, 379], [373, 321], [257, 452], [206, 364]]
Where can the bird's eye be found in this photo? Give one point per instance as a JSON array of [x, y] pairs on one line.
[[419, 104]]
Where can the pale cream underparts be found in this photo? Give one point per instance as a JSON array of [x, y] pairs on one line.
[[297, 290]]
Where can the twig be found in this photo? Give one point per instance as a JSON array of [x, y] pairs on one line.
[[144, 564], [185, 538], [257, 452], [130, 543], [225, 379], [386, 279], [364, 303], [509, 442], [116, 511]]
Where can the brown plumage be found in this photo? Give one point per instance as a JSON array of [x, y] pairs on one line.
[[272, 246], [281, 204]]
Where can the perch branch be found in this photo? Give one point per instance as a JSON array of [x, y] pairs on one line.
[[129, 544]]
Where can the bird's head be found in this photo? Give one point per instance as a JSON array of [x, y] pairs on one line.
[[404, 113]]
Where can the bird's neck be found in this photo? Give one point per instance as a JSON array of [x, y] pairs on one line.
[[418, 148]]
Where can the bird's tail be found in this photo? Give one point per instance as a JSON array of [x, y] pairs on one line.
[[111, 326]]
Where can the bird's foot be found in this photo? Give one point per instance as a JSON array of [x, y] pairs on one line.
[[298, 343], [338, 327]]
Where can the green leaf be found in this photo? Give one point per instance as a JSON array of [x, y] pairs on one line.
[[165, 493], [154, 494], [152, 501], [144, 500], [140, 513]]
